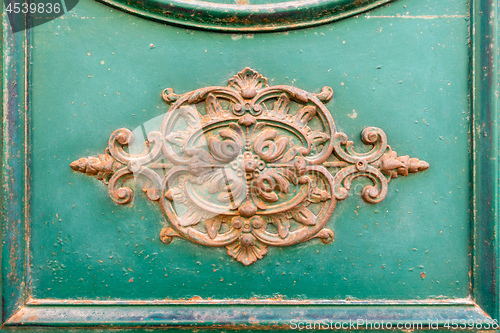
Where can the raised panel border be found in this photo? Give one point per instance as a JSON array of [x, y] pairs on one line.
[[18, 309], [246, 18]]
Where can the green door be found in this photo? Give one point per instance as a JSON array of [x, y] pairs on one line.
[[247, 164]]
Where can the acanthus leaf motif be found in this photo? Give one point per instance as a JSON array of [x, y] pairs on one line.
[[213, 226], [269, 146], [229, 147], [303, 215], [271, 182], [282, 223]]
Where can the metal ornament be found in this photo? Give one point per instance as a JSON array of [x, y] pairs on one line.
[[248, 166]]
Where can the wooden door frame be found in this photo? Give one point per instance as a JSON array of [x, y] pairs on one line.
[[19, 309]]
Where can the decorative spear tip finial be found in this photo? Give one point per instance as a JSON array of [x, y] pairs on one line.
[[80, 164], [417, 165]]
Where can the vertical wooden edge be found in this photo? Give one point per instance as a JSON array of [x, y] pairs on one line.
[[13, 169], [2, 13], [27, 161], [484, 135]]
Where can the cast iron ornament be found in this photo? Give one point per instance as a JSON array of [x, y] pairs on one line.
[[248, 166]]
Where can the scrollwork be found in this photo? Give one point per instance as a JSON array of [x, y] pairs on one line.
[[249, 166]]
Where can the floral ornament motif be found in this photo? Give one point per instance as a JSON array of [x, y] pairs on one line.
[[247, 166]]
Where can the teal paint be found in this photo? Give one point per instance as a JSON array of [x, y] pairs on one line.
[[406, 74], [417, 214]]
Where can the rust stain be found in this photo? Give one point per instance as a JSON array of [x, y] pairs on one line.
[[18, 316]]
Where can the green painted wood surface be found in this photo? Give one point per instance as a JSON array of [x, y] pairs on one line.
[[399, 75], [404, 68]]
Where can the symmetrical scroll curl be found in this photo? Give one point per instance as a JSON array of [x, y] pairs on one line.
[[379, 165], [247, 166]]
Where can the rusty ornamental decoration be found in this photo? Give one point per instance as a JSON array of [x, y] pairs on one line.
[[247, 166]]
